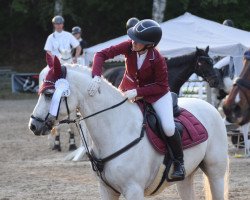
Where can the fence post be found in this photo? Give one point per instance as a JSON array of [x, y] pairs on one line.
[[209, 96]]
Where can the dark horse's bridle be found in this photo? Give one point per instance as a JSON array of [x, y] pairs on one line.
[[198, 67]]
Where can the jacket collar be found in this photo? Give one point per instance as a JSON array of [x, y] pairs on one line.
[[148, 60]]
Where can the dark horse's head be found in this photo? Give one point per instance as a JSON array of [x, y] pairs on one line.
[[237, 104], [204, 67]]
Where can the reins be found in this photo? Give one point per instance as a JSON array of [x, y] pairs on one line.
[[98, 163], [199, 68]]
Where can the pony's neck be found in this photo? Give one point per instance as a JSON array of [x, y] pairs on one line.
[[111, 129], [245, 73], [180, 68]]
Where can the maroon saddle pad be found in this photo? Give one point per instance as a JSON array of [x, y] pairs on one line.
[[193, 132]]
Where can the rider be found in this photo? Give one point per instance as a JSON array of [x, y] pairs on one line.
[[145, 76], [77, 33], [61, 40]]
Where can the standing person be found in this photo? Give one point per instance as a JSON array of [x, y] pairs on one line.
[[61, 41], [77, 32], [145, 76]]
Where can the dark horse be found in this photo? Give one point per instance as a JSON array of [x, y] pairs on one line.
[[237, 105], [179, 69]]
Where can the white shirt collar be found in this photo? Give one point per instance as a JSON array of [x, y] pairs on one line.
[[140, 59]]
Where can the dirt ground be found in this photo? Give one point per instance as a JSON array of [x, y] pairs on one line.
[[29, 169]]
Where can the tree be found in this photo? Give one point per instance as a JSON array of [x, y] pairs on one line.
[[58, 10], [158, 10]]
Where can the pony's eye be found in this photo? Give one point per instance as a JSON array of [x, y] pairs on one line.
[[48, 95]]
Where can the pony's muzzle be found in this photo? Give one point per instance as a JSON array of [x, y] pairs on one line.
[[32, 128], [38, 128]]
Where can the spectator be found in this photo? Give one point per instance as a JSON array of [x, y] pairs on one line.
[[77, 32], [61, 41]]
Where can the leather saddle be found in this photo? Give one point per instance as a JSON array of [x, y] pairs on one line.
[[154, 121]]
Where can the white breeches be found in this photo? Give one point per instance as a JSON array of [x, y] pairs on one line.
[[164, 109]]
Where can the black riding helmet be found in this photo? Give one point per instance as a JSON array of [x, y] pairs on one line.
[[131, 22], [58, 20], [228, 22], [76, 30], [146, 32]]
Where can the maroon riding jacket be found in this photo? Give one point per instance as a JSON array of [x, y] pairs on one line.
[[150, 81]]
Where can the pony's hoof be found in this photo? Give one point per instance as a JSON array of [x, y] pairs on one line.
[[57, 147], [72, 147]]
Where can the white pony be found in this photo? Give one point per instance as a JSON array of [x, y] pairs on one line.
[[132, 172]]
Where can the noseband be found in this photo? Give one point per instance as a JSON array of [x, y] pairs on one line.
[[46, 120]]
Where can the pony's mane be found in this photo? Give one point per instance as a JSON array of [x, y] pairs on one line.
[[180, 60], [87, 71], [78, 68]]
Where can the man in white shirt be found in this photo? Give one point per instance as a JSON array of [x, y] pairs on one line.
[[61, 41]]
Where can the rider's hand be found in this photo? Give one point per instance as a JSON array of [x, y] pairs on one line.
[[130, 94], [94, 86], [74, 60]]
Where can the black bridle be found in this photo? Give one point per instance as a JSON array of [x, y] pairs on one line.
[[198, 67], [46, 120], [97, 163]]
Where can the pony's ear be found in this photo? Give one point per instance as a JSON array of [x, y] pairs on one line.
[[49, 60], [57, 67], [207, 49]]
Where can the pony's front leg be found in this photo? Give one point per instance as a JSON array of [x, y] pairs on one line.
[[107, 193], [134, 191]]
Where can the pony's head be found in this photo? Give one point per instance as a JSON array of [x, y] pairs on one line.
[[53, 95], [237, 104], [204, 67]]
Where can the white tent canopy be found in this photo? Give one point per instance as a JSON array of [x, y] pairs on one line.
[[183, 34]]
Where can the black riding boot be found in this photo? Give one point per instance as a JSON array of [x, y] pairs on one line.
[[176, 147]]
